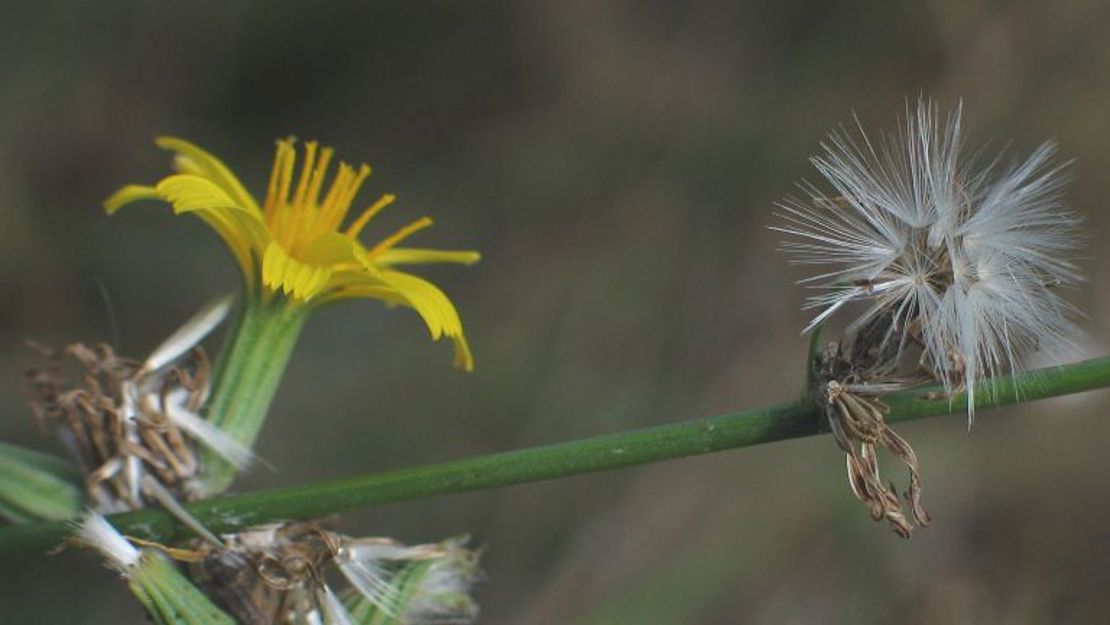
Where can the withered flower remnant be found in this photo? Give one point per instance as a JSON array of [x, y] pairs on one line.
[[287, 573], [956, 265], [849, 398], [126, 420]]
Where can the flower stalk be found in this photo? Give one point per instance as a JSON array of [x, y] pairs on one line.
[[248, 374]]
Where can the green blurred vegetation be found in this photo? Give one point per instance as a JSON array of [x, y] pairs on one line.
[[616, 162]]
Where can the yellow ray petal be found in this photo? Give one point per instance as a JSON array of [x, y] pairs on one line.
[[361, 276], [128, 194], [226, 227], [228, 232], [357, 225], [416, 256], [188, 193], [195, 160], [284, 274], [425, 298], [333, 248], [380, 291], [402, 234], [240, 229], [464, 358], [273, 266], [436, 309]]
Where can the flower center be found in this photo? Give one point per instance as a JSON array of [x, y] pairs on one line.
[[299, 216]]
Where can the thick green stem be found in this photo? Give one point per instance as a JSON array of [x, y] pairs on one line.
[[684, 438], [248, 374]]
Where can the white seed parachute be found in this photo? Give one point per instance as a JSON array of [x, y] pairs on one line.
[[966, 256]]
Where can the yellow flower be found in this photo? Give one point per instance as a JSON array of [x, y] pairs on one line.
[[294, 246]]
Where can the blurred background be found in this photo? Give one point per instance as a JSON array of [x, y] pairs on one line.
[[616, 163]]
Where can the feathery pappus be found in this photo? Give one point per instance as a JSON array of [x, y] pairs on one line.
[[279, 574], [955, 262], [959, 257]]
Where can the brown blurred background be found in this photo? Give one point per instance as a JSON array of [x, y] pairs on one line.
[[616, 163]]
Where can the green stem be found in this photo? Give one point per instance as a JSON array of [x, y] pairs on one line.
[[36, 486], [247, 377], [685, 438]]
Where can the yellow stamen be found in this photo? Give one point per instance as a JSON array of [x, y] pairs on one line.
[[344, 203], [306, 173], [310, 219], [280, 154], [299, 208], [345, 190], [318, 176], [282, 214], [328, 205]]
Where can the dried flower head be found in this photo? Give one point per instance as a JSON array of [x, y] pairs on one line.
[[166, 594], [280, 574], [962, 260], [845, 390], [128, 421]]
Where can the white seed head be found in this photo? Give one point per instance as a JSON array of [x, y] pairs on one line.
[[965, 258]]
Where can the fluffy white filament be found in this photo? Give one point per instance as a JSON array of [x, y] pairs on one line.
[[367, 574], [189, 334], [334, 611], [966, 257], [196, 426], [96, 532]]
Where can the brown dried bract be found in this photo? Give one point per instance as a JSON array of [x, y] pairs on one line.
[[848, 389], [267, 575], [89, 397], [276, 574]]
